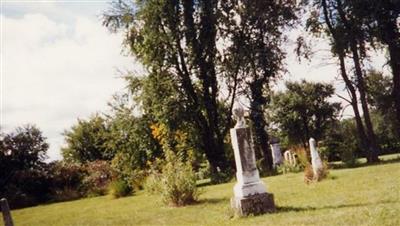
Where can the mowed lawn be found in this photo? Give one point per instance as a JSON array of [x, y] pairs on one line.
[[367, 195]]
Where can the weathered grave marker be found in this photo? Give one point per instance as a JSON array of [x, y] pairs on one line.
[[276, 151], [315, 159], [290, 157], [250, 194]]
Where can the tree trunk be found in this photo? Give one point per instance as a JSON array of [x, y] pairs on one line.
[[391, 37], [374, 149], [204, 51], [352, 31], [364, 143], [339, 49], [261, 137]]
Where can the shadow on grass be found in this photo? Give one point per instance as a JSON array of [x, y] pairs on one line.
[[283, 209], [381, 162], [211, 201]]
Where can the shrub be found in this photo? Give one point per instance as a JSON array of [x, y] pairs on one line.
[[309, 175], [120, 188], [177, 178], [176, 182], [152, 184], [99, 176], [349, 158], [204, 171], [66, 181], [289, 168], [126, 170]]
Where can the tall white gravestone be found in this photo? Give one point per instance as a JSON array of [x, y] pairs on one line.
[[276, 152], [250, 194], [315, 159]]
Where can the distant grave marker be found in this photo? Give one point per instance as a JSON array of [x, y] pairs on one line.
[[276, 151], [315, 159], [290, 157]]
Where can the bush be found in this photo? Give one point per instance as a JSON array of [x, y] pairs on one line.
[[66, 181], [126, 170], [120, 188], [289, 168], [204, 171], [99, 176], [309, 175], [176, 182], [152, 184], [349, 159]]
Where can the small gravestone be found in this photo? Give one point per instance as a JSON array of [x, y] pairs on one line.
[[250, 194], [276, 151], [315, 159], [290, 157], [5, 209]]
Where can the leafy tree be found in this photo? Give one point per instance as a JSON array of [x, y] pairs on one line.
[[23, 178], [347, 35], [179, 39], [379, 89], [23, 149], [131, 139], [380, 19], [86, 141], [303, 111], [383, 112], [255, 56]]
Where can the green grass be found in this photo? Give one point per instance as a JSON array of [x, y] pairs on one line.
[[367, 195]]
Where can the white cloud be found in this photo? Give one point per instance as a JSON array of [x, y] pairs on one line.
[[55, 72]]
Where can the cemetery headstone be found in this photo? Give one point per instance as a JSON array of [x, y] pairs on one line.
[[290, 157], [276, 151], [250, 194], [315, 159]]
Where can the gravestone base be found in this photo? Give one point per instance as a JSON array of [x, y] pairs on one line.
[[254, 204]]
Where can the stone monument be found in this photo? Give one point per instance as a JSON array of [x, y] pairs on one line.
[[316, 161], [250, 194], [290, 157], [276, 151]]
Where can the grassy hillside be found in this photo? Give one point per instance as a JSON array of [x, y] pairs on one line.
[[360, 196]]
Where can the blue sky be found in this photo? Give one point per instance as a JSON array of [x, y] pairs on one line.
[[58, 64]]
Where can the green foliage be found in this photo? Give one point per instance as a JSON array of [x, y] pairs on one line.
[[86, 141], [383, 116], [152, 183], [288, 168], [66, 181], [178, 182], [303, 111], [203, 172], [130, 136], [348, 157], [175, 183], [255, 56], [173, 177], [120, 188], [24, 178], [99, 176]]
